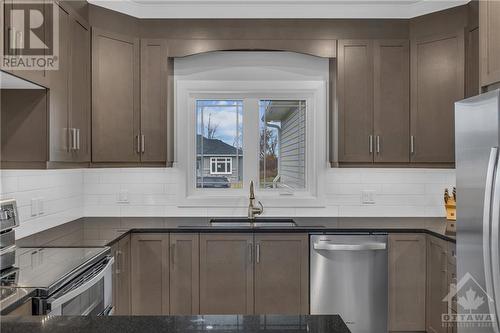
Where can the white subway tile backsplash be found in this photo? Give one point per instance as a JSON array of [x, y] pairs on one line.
[[70, 194]]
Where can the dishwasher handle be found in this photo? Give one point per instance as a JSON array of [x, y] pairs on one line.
[[350, 247]]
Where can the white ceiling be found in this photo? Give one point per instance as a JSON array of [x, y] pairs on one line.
[[277, 8]]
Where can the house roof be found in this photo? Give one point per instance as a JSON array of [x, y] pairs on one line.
[[215, 147]]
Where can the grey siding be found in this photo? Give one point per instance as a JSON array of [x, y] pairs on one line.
[[292, 149]]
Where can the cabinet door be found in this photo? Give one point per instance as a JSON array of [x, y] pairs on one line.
[[472, 63], [58, 97], [392, 101], [79, 91], [184, 274], [407, 288], [437, 284], [489, 23], [355, 100], [437, 82], [226, 274], [115, 98], [281, 274], [122, 272], [154, 80], [150, 257]]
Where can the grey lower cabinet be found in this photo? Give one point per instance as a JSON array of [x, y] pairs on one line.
[[226, 274], [121, 276], [407, 282], [422, 269], [150, 274], [437, 284], [281, 274], [184, 274]]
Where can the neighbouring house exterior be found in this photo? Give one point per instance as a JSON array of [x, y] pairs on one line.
[[216, 158]]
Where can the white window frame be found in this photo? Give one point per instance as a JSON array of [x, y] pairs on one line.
[[228, 161], [313, 92]]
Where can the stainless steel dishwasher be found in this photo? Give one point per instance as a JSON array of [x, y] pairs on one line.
[[349, 278]]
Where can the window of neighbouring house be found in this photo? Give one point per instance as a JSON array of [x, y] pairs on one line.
[[221, 165], [219, 150]]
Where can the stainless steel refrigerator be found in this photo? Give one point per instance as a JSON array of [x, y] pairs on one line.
[[477, 133]]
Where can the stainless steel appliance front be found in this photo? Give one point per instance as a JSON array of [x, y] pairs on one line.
[[477, 132], [349, 278]]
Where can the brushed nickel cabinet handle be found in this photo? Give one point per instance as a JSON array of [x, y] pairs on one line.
[[257, 253], [412, 144], [118, 262], [378, 144], [77, 139], [370, 143], [138, 147], [143, 144]]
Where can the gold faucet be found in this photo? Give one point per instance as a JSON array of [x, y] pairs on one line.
[[252, 210]]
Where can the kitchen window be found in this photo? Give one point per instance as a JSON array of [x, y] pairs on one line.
[[243, 117]]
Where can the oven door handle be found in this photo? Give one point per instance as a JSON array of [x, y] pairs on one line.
[[54, 303]]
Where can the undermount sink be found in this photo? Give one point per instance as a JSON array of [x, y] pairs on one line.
[[257, 223]]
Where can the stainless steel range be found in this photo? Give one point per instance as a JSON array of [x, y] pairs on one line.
[[69, 281]]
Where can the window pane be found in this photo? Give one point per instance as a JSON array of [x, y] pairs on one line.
[[282, 143], [219, 143]]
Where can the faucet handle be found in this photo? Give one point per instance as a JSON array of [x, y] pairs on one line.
[[261, 208]]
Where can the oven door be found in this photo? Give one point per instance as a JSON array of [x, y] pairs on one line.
[[88, 294]]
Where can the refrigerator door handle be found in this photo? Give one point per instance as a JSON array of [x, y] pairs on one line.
[[487, 219], [494, 247]]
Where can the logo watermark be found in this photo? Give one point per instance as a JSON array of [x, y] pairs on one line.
[[472, 302], [31, 37]]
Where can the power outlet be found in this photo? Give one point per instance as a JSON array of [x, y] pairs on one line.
[[368, 197], [123, 196], [37, 206]]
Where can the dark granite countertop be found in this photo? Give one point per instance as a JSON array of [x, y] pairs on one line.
[[280, 230], [181, 324]]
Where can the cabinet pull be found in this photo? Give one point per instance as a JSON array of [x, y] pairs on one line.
[[138, 148], [143, 145], [77, 139], [378, 144], [257, 253], [370, 143], [412, 144], [118, 262], [250, 246]]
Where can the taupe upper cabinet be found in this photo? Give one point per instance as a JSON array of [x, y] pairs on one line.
[[281, 274], [355, 100], [391, 101], [407, 282], [373, 98], [79, 92], [489, 23], [115, 98], [437, 82], [184, 274], [154, 90], [150, 282], [58, 96], [226, 274]]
